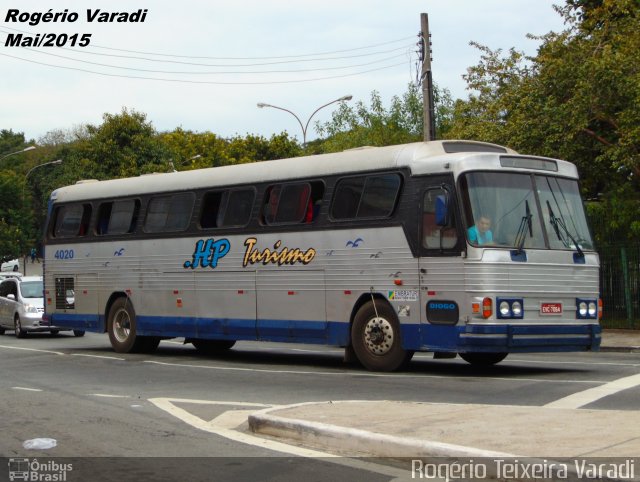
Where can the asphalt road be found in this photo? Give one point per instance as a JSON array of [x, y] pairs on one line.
[[96, 403]]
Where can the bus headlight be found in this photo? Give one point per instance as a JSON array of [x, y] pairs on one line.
[[586, 309], [516, 308], [510, 308], [582, 308]]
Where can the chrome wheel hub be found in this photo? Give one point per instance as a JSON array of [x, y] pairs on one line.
[[121, 326], [378, 336]]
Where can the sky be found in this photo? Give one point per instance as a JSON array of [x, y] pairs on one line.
[[204, 66]]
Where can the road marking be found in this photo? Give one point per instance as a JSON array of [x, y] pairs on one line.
[[32, 349], [27, 389], [224, 424], [100, 356], [586, 397], [106, 395], [360, 374]]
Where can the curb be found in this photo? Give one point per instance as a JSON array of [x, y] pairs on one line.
[[357, 441]]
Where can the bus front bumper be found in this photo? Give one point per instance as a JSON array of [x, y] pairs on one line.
[[530, 338]]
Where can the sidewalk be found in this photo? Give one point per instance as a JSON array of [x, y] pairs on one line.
[[394, 429]]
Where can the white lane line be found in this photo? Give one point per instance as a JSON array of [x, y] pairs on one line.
[[27, 389], [32, 349], [586, 397], [106, 395], [223, 424], [367, 374], [100, 356]]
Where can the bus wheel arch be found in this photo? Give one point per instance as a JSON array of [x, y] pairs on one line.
[[376, 335]]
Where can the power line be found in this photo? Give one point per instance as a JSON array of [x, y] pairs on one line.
[[215, 72], [404, 39], [205, 81]]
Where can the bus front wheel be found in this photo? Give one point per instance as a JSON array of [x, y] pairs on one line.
[[483, 359], [121, 326], [375, 337]]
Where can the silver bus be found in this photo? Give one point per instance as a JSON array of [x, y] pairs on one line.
[[451, 247]]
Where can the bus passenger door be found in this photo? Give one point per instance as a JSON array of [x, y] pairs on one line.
[[442, 281], [291, 305]]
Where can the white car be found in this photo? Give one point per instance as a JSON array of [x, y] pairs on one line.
[[22, 307], [13, 265]]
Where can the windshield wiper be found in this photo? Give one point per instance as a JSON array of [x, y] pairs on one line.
[[525, 225], [558, 225]]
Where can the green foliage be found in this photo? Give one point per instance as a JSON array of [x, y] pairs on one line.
[[14, 225], [374, 125], [578, 99]]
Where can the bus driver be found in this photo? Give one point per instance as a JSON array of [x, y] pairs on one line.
[[480, 234]]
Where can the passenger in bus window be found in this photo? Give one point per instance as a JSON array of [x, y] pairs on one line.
[[271, 206], [481, 234]]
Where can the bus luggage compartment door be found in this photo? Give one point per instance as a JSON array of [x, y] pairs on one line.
[[291, 305]]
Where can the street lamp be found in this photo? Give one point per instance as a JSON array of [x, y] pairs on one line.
[[52, 163], [173, 167], [304, 127], [30, 148]]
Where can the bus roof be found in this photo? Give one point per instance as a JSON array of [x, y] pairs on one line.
[[419, 157]]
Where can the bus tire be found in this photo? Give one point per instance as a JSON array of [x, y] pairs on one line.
[[78, 333], [376, 340], [121, 325], [212, 347], [483, 359]]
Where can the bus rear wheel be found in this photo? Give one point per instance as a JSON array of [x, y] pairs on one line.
[[121, 325], [483, 359], [375, 337]]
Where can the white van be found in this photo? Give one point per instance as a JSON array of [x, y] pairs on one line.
[[22, 307]]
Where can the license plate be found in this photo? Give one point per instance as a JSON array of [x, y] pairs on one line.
[[551, 309]]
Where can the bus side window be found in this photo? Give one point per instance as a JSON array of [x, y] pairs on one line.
[[104, 214], [72, 220], [373, 196], [237, 208], [291, 203], [170, 213], [123, 217], [210, 211]]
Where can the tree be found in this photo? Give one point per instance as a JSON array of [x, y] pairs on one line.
[[577, 99], [14, 224], [360, 125], [124, 145]]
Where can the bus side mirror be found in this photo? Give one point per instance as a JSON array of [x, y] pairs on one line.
[[442, 209]]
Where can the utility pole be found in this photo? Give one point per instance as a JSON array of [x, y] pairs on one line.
[[426, 79]]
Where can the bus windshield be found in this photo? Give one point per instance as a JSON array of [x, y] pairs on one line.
[[520, 210]]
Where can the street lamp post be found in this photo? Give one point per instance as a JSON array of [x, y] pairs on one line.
[[305, 126], [52, 163], [30, 148]]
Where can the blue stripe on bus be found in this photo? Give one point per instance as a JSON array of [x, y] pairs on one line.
[[459, 338]]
